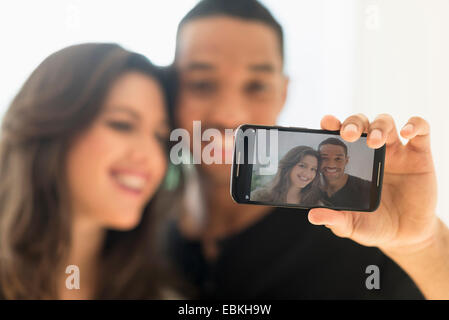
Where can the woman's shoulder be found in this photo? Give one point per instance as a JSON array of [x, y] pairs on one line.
[[260, 194]]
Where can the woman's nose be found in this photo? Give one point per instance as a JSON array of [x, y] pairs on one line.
[[141, 150]]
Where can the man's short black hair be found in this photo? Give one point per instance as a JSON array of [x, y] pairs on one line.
[[335, 142], [244, 9]]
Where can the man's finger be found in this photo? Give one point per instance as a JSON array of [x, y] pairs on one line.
[[353, 127], [382, 130], [417, 130], [330, 123], [340, 222]]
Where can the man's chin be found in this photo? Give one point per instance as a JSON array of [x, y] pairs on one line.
[[332, 178], [219, 174]]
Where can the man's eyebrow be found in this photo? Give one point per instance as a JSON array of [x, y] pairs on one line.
[[338, 154], [262, 67], [198, 65]]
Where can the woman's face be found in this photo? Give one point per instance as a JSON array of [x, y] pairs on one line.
[[116, 165], [304, 171]]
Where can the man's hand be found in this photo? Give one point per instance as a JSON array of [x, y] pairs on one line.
[[405, 220], [405, 226]]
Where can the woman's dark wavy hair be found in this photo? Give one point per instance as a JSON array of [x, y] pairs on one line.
[[310, 195], [60, 99]]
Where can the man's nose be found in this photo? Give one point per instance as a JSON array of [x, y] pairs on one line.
[[330, 164], [230, 111]]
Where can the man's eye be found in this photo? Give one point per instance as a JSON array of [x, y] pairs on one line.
[[120, 125], [256, 86]]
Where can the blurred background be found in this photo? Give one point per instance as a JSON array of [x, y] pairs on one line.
[[342, 56]]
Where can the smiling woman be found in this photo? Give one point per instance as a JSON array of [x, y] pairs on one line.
[[296, 181], [82, 153]]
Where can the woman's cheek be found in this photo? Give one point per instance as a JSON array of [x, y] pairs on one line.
[[96, 151], [160, 167]]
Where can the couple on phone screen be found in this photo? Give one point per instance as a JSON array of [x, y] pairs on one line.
[[316, 178]]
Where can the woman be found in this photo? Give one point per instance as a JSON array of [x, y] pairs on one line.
[[82, 152], [296, 181]]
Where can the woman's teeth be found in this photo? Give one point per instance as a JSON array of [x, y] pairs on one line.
[[130, 181], [303, 179]]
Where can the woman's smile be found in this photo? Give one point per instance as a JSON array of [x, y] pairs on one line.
[[134, 182], [302, 180]]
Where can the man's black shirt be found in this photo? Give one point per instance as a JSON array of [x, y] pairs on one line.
[[354, 194], [283, 256]]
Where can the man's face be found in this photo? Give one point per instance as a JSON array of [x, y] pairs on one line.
[[333, 162], [230, 74]]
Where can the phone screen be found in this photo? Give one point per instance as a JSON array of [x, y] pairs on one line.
[[310, 168]]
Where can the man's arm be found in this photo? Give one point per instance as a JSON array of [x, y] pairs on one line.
[[427, 264]]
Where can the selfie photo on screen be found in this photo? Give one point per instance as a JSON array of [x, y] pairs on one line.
[[316, 170]]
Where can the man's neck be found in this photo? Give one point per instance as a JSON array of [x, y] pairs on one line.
[[224, 216], [333, 186]]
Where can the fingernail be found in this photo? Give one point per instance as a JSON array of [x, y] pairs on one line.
[[408, 127], [376, 134], [350, 128]]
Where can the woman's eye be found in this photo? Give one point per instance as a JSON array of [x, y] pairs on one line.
[[120, 125], [162, 140]]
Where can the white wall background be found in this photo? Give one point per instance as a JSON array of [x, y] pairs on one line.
[[343, 56], [370, 56]]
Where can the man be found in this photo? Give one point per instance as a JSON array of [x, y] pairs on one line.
[[230, 62], [339, 188]]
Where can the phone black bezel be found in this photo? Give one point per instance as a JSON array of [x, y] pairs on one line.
[[241, 185]]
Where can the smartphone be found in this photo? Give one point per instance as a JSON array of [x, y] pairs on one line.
[[305, 168]]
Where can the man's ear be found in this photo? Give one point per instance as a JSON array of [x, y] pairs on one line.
[[284, 90], [286, 82]]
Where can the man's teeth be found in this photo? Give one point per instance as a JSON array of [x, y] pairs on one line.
[[130, 181], [331, 170]]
